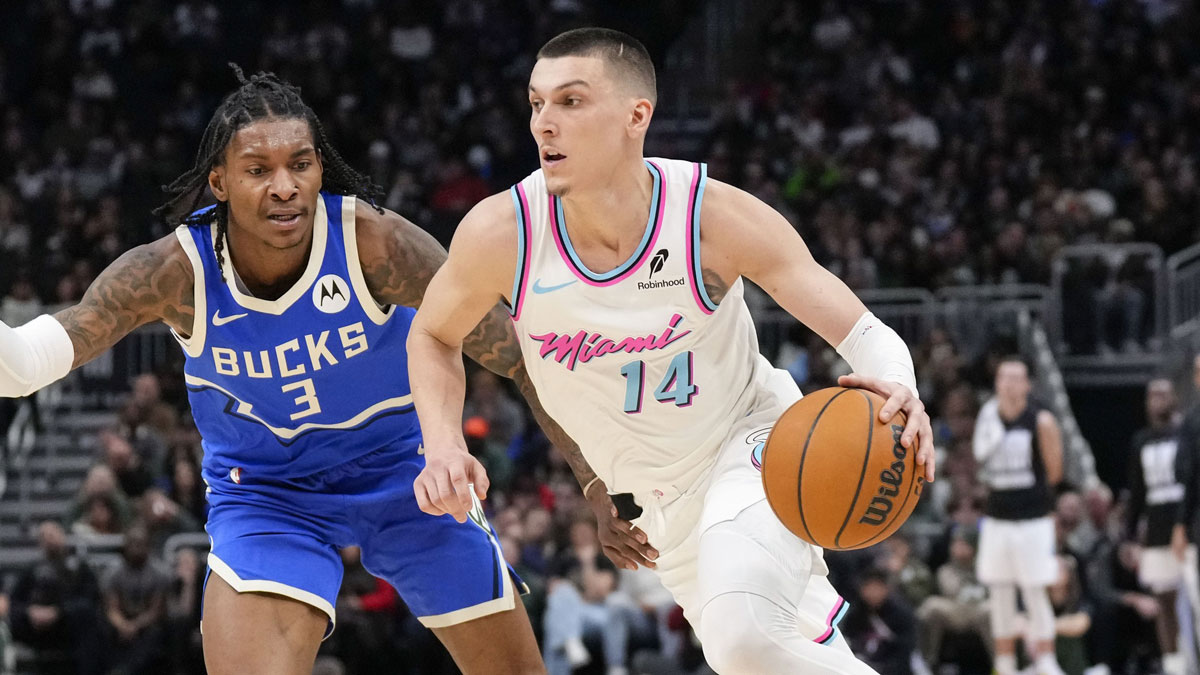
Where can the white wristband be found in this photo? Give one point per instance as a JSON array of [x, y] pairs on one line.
[[873, 349], [33, 356]]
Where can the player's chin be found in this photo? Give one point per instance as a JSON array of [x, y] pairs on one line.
[[559, 187]]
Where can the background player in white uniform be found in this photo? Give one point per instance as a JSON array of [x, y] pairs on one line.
[[1156, 493], [624, 278], [1019, 447]]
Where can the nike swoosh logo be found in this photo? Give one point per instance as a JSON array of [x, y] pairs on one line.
[[539, 288], [219, 320]]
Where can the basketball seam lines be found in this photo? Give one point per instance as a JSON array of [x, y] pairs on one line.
[[803, 456], [837, 540], [899, 511]]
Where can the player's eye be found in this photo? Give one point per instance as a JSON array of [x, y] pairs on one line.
[[303, 164], [574, 100], [536, 105], [256, 171]]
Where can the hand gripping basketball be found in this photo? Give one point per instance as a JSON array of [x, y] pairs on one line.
[[842, 469], [447, 481]]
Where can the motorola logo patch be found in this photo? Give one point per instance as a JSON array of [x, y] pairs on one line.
[[331, 294]]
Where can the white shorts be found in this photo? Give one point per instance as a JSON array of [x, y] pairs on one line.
[[1018, 552], [798, 576], [1159, 570]]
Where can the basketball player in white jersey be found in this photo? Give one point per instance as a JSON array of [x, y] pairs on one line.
[[624, 279], [1019, 448]]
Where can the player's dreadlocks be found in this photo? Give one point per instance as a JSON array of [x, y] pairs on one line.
[[263, 96]]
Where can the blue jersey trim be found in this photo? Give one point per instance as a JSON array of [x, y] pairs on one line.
[[651, 227], [695, 227]]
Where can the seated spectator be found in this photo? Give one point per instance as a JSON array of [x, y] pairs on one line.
[[960, 605], [99, 517], [907, 572], [54, 603], [135, 600], [128, 467], [578, 605], [164, 518], [100, 482], [1071, 618], [880, 627], [182, 482]]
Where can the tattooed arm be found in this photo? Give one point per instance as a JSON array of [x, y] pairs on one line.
[[399, 260], [148, 283]]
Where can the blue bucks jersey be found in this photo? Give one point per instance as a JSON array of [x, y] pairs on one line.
[[289, 387]]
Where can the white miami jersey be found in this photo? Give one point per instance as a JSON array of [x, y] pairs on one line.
[[636, 363]]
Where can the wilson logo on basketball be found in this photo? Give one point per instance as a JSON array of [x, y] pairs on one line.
[[890, 479]]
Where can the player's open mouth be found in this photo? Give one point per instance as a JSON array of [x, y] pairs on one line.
[[551, 157], [285, 219]]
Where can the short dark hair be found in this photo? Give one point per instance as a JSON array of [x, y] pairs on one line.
[[1017, 358], [262, 96], [619, 50]]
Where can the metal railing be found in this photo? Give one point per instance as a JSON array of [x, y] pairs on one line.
[[1183, 294]]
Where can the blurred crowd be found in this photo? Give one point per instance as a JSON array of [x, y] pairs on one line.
[[927, 144]]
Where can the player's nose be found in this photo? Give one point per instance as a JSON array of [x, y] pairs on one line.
[[543, 123], [283, 185]]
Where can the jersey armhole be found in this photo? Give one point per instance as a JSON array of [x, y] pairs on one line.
[[193, 345], [358, 282], [521, 275], [695, 271]]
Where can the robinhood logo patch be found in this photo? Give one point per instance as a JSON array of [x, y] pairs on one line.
[[656, 265]]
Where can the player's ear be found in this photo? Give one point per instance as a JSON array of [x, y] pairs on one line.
[[639, 117], [216, 183]]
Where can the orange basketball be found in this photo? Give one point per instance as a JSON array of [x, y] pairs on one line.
[[835, 475]]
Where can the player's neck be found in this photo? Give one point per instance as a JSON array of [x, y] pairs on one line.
[[267, 272], [613, 214]]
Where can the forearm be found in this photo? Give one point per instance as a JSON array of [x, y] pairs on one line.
[[493, 344], [439, 387]]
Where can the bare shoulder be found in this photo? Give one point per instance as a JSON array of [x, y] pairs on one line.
[[1046, 419], [151, 282], [489, 224], [398, 258], [724, 213]]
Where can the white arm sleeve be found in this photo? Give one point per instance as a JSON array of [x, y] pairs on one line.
[[33, 356], [873, 349]]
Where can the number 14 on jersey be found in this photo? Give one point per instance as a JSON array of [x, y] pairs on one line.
[[676, 385]]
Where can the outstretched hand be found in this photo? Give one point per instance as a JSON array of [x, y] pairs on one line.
[[900, 398], [445, 484]]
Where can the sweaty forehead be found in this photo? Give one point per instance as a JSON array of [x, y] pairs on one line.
[[271, 136]]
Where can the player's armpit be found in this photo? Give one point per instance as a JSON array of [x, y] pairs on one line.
[[148, 283]]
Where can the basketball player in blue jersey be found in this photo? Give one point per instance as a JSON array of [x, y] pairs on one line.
[[292, 300], [623, 276]]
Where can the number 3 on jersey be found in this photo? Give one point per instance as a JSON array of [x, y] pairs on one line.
[[676, 384]]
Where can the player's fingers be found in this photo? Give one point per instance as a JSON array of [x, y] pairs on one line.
[[443, 495], [852, 380], [914, 411], [480, 478], [897, 400], [421, 490], [925, 436], [640, 541], [461, 499], [618, 558]]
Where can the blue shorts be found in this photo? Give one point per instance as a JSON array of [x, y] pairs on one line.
[[282, 536]]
